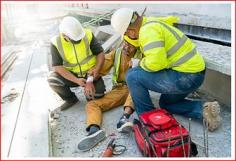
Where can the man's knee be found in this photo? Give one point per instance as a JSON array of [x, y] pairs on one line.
[[130, 76], [54, 79], [91, 106]]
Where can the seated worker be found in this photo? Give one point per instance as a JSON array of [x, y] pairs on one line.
[[76, 56], [119, 59]]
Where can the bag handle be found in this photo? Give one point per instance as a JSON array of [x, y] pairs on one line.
[[146, 140], [145, 148], [143, 129]]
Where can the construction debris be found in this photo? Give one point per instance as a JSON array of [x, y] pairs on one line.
[[11, 96]]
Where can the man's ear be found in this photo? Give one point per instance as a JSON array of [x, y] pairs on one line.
[[137, 25], [137, 22]]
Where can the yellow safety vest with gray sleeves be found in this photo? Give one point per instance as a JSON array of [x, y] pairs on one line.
[[116, 66], [165, 46], [77, 58]]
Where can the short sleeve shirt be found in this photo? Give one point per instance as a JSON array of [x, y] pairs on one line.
[[95, 47]]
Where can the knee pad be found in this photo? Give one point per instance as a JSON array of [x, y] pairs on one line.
[[99, 95], [99, 87]]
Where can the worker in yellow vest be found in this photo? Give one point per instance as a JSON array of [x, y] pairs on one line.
[[171, 65], [119, 60], [77, 58]]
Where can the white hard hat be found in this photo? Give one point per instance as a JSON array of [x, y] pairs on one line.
[[72, 28], [121, 19]]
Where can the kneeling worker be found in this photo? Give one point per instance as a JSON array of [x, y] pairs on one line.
[[76, 56]]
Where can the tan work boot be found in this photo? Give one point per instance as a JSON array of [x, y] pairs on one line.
[[211, 114]]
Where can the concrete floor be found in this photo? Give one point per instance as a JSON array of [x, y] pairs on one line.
[[24, 119], [21, 118], [69, 128]]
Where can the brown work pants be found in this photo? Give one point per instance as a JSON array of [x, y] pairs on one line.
[[116, 97]]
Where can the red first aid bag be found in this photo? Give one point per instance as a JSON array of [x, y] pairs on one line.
[[158, 134]]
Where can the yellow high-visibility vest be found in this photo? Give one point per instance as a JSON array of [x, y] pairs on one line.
[[165, 46], [77, 58], [116, 66]]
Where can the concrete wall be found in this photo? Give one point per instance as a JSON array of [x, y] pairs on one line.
[[218, 85], [23, 11], [216, 15], [19, 18], [52, 10], [202, 14]]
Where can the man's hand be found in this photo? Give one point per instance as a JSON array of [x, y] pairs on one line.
[[81, 82], [69, 76], [94, 72], [96, 69], [130, 64], [133, 62], [89, 90]]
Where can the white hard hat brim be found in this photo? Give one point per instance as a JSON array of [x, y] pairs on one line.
[[77, 38], [72, 28], [120, 20]]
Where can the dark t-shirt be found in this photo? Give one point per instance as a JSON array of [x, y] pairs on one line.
[[95, 47]]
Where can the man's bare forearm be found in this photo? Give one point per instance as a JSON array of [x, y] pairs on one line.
[[66, 74], [100, 60]]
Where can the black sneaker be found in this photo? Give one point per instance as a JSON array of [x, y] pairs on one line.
[[68, 104], [124, 125], [91, 140]]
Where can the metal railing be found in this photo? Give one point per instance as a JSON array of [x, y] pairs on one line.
[[97, 19]]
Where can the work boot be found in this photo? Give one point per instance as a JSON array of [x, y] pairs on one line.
[[124, 125], [92, 139], [211, 114], [67, 104]]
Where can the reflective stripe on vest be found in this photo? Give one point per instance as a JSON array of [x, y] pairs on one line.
[[153, 45], [185, 58], [138, 55], [116, 66], [62, 53], [176, 47]]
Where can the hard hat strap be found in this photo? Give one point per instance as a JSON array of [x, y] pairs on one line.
[[144, 11], [134, 18]]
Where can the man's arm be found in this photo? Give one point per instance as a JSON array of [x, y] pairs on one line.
[[108, 63], [97, 50], [129, 102], [99, 63], [69, 76], [153, 44], [58, 68]]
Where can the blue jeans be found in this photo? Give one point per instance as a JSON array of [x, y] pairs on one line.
[[174, 86]]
